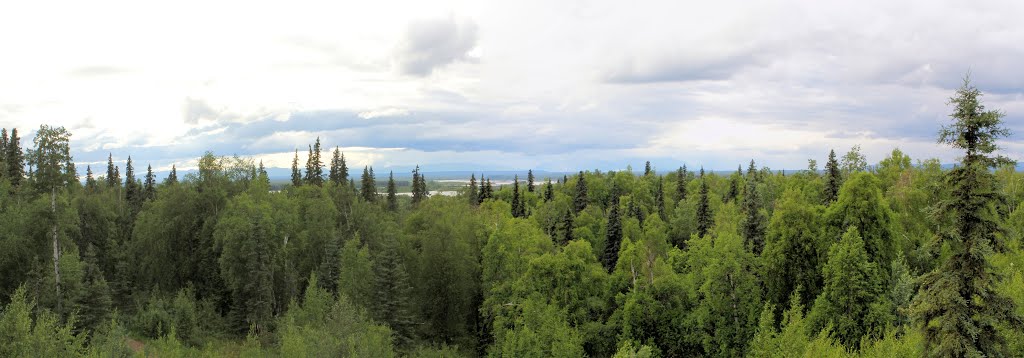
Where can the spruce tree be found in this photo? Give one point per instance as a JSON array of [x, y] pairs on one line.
[[314, 166], [335, 174], [483, 190], [3, 152], [472, 194], [262, 169], [393, 293], [647, 168], [754, 221], [149, 191], [368, 187], [392, 193], [959, 306], [94, 300], [15, 159], [833, 178], [529, 181], [489, 189], [419, 186], [132, 192], [172, 177], [517, 202], [330, 265], [704, 219], [580, 200], [549, 191], [659, 197], [681, 181], [296, 175], [343, 169], [613, 239], [90, 182], [566, 226], [112, 176]]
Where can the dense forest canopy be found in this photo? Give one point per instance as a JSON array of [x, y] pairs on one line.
[[898, 258]]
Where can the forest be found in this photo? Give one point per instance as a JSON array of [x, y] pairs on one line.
[[898, 258]]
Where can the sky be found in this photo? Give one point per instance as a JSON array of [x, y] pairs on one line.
[[506, 85]]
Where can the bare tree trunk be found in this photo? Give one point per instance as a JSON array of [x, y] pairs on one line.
[[56, 244]]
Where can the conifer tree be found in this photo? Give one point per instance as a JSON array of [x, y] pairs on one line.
[[172, 177], [94, 301], [647, 168], [566, 227], [483, 190], [518, 210], [15, 159], [659, 197], [393, 293], [580, 200], [368, 187], [529, 181], [754, 221], [112, 176], [473, 194], [704, 219], [3, 152], [132, 194], [262, 169], [335, 175], [959, 305], [392, 193], [734, 185], [296, 175], [681, 181], [549, 191], [90, 182], [314, 166], [330, 266], [833, 178], [613, 239], [419, 186], [149, 191]]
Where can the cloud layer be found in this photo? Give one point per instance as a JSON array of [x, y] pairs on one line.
[[508, 85]]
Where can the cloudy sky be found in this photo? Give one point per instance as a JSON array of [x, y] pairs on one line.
[[555, 85]]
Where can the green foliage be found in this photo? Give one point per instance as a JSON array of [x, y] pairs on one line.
[[324, 327], [536, 329], [833, 178], [704, 215], [794, 251], [862, 206], [26, 332], [853, 301]]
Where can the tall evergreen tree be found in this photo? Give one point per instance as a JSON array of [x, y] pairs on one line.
[[3, 152], [112, 177], [393, 293], [15, 159], [734, 185], [52, 159], [314, 166], [392, 193], [489, 189], [94, 301], [296, 174], [833, 178], [262, 169], [149, 190], [580, 200], [647, 168], [90, 182], [172, 177], [335, 175], [473, 194], [659, 197], [518, 209], [754, 221], [565, 227], [681, 181], [483, 190], [959, 305], [368, 187], [613, 239], [549, 191], [704, 219], [132, 192], [529, 181], [419, 186]]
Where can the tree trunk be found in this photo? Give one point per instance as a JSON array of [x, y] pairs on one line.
[[56, 244]]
